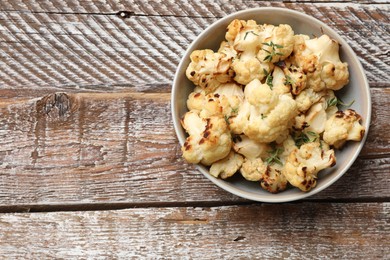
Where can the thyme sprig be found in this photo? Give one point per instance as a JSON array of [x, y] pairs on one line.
[[273, 52], [338, 102], [248, 32], [268, 78], [274, 156], [305, 137], [288, 81]]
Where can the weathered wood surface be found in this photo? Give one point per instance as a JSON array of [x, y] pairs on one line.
[[85, 46], [121, 148], [290, 231], [85, 126]]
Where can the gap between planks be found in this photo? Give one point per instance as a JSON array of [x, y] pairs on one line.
[[197, 204]]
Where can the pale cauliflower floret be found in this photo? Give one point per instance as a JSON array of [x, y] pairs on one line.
[[209, 139], [248, 68], [303, 164], [209, 69], [261, 96], [278, 43], [343, 126], [228, 166], [278, 81], [253, 169], [315, 118], [270, 176], [273, 126], [249, 148], [319, 59], [307, 98], [238, 122]]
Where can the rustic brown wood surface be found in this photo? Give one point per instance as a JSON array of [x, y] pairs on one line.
[[85, 125]]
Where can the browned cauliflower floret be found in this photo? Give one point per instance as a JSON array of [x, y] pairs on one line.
[[343, 126], [228, 166], [270, 176], [303, 164], [209, 139], [319, 59], [278, 43], [295, 78], [208, 69], [224, 101]]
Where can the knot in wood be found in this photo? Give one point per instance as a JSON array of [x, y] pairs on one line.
[[125, 14], [53, 105]]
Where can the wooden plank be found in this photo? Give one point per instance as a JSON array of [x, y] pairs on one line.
[[293, 231], [121, 148], [85, 46]]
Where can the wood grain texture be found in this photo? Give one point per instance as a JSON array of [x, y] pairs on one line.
[[121, 148], [83, 46], [293, 231]]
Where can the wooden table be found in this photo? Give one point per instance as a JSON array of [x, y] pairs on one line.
[[90, 166]]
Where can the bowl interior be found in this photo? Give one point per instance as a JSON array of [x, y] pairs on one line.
[[357, 90]]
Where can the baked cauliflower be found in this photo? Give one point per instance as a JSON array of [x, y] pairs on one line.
[[303, 164], [270, 177], [209, 139], [208, 69], [343, 126], [264, 105], [228, 166], [319, 59]]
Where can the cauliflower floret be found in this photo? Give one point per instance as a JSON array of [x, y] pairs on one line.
[[307, 98], [278, 43], [238, 122], [273, 180], [273, 126], [228, 166], [208, 69], [253, 169], [295, 78], [248, 68], [343, 126], [250, 148], [278, 81], [224, 101], [245, 38], [319, 58], [209, 139], [303, 164], [237, 29], [270, 177], [261, 96]]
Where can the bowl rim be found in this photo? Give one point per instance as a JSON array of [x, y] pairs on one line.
[[245, 194]]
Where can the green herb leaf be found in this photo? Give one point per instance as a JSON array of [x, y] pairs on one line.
[[274, 156], [303, 138], [273, 52], [263, 116], [248, 32], [268, 79], [338, 102], [288, 81]]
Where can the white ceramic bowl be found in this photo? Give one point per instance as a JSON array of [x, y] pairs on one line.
[[357, 89]]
